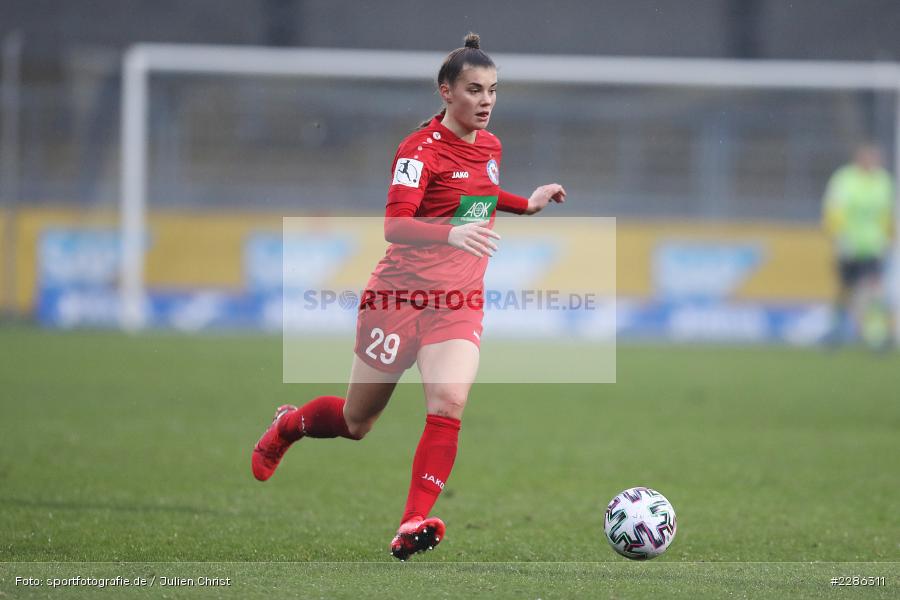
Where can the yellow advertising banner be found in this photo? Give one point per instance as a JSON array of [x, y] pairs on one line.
[[207, 250]]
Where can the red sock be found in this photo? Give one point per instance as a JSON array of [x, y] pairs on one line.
[[431, 465], [321, 417]]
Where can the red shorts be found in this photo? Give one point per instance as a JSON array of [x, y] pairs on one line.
[[388, 339]]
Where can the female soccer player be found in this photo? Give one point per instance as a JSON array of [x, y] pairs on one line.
[[423, 303]]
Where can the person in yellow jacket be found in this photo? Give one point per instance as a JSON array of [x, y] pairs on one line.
[[858, 217]]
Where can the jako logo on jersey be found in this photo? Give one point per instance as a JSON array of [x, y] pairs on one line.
[[478, 210], [460, 174], [407, 172], [493, 171], [433, 480]]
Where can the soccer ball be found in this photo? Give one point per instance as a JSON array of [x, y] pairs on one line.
[[639, 523]]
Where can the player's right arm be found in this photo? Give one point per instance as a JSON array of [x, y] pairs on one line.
[[401, 227], [412, 168]]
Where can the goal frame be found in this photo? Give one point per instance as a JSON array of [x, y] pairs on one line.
[[142, 60]]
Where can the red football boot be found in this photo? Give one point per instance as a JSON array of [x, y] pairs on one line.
[[270, 447], [417, 535]]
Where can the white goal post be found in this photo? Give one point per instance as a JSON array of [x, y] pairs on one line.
[[142, 60]]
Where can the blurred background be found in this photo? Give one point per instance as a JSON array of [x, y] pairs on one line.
[[717, 190], [120, 450]]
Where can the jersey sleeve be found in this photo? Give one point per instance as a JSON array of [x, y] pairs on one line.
[[509, 202], [412, 168], [401, 227]]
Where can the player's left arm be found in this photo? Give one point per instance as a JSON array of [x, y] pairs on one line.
[[543, 195], [539, 199]]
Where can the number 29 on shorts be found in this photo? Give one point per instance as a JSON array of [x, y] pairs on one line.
[[389, 344]]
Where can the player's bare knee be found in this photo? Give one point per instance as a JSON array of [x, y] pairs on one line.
[[447, 401], [359, 429]]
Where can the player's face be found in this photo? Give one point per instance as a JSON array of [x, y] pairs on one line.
[[472, 96]]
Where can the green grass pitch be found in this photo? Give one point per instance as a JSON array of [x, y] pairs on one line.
[[129, 456]]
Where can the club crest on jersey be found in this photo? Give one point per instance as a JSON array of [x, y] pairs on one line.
[[407, 172], [493, 171]]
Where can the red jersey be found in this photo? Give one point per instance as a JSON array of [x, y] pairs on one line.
[[445, 181]]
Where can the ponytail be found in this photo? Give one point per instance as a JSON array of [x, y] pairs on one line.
[[470, 54]]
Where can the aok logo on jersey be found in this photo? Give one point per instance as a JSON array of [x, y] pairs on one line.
[[473, 209], [478, 210]]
